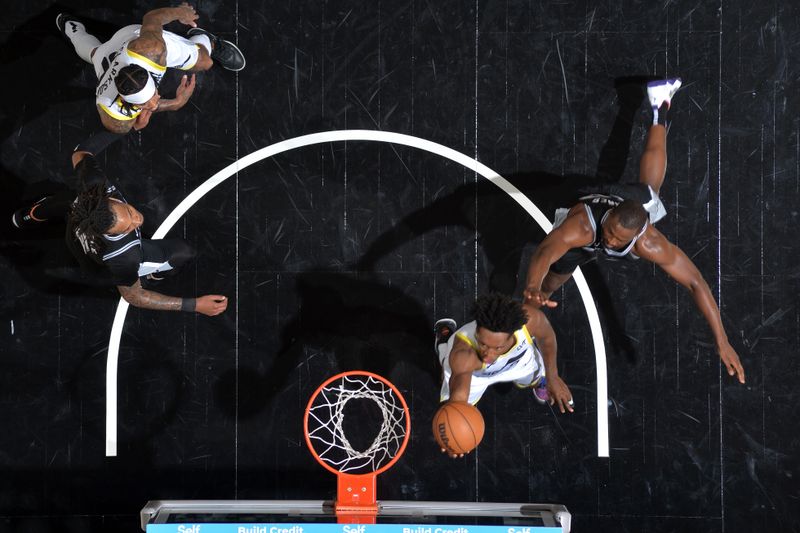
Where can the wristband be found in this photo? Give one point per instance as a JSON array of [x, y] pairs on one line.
[[188, 304]]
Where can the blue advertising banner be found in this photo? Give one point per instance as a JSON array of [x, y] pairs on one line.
[[342, 528]]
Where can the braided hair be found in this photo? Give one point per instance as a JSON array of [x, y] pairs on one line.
[[90, 216], [499, 313]]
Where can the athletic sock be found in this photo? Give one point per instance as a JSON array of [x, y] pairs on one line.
[[83, 42], [660, 114], [203, 41]]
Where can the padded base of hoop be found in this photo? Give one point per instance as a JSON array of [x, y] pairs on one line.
[[355, 499]]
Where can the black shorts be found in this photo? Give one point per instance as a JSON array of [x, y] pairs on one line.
[[160, 255]]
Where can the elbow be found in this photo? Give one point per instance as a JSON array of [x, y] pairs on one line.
[[129, 296]]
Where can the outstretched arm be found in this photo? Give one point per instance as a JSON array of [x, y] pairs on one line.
[[574, 232], [182, 95], [150, 42], [540, 328], [137, 296], [463, 361], [654, 247], [154, 20]]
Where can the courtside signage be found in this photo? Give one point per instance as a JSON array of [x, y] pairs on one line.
[[342, 528]]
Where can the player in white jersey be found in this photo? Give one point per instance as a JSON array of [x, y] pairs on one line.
[[130, 65], [507, 341]]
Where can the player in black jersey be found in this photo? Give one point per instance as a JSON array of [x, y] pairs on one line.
[[103, 234], [104, 228], [618, 223]]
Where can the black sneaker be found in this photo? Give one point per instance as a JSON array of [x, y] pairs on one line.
[[67, 24], [223, 52], [22, 218], [442, 331]]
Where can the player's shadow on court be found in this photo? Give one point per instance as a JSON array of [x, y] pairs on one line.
[[52, 73], [46, 75], [506, 233], [354, 324], [39, 255]]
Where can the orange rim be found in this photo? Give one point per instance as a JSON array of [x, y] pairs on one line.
[[382, 380]]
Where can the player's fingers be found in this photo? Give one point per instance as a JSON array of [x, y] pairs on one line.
[[550, 303]]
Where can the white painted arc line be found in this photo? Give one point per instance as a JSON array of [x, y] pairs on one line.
[[376, 136]]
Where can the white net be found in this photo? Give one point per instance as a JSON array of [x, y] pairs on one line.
[[327, 421]]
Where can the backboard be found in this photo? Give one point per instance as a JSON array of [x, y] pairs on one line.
[[319, 516]]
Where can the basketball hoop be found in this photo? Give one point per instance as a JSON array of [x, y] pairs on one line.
[[356, 465]]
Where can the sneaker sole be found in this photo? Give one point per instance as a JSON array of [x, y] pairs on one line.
[[452, 324]]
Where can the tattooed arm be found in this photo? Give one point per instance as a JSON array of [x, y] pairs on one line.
[[114, 125], [150, 43], [138, 296]]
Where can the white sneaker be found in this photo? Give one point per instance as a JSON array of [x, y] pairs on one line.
[[661, 91]]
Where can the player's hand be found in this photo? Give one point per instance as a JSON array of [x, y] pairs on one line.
[[185, 89], [142, 119], [731, 360], [453, 455], [211, 304], [560, 395], [538, 298], [185, 14]]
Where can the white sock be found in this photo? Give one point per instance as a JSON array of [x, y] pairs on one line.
[[203, 41], [82, 41]]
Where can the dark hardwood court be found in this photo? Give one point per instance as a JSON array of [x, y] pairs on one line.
[[341, 254]]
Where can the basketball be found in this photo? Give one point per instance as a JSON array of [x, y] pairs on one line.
[[458, 427]]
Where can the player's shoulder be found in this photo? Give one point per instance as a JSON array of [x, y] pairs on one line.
[[534, 314], [577, 228], [651, 243], [463, 356], [150, 45]]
